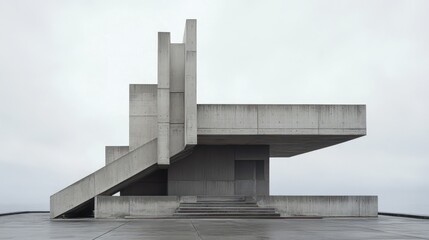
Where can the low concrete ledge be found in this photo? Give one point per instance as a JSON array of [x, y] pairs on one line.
[[324, 206], [151, 206], [287, 206]]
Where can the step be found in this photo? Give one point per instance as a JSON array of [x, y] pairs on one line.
[[225, 208], [221, 198], [226, 214], [202, 217], [230, 212], [220, 204]]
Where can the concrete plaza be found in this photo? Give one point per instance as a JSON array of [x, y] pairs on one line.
[[39, 226]]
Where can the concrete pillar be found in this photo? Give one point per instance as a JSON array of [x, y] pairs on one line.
[[177, 97], [163, 98], [190, 41]]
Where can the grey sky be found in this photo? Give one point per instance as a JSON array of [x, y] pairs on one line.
[[65, 67]]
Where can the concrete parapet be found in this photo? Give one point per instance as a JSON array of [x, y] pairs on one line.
[[115, 152], [323, 206], [155, 206], [287, 206]]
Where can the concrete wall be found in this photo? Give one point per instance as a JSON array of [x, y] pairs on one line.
[[210, 170], [143, 114], [325, 206], [322, 206], [119, 207], [114, 152]]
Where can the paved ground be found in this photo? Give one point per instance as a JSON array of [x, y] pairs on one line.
[[38, 226]]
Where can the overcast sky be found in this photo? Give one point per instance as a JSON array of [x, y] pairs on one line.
[[66, 66]]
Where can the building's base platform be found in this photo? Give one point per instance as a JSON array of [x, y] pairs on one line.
[[233, 207]]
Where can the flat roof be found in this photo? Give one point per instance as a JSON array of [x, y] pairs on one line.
[[39, 226]]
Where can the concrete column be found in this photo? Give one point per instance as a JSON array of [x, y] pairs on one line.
[[177, 98], [190, 41], [163, 98]]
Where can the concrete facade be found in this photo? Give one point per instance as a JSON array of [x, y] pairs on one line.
[[180, 148], [222, 170]]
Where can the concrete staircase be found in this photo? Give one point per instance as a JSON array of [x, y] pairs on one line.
[[79, 197], [224, 207]]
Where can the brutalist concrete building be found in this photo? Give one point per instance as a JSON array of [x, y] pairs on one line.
[[209, 160]]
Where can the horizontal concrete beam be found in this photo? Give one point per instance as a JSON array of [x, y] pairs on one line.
[[218, 119], [289, 130]]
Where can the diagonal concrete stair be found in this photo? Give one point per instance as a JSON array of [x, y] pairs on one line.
[[224, 207], [106, 181]]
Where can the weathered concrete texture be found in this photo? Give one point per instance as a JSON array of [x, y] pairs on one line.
[[221, 171], [143, 114], [326, 206], [287, 206], [115, 152], [164, 98], [288, 129], [190, 41], [38, 227], [107, 180], [177, 98], [119, 207]]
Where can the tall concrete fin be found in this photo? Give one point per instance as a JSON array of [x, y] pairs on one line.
[[177, 98], [190, 41], [105, 181], [163, 98]]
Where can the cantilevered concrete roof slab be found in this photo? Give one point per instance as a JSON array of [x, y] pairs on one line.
[[289, 130]]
